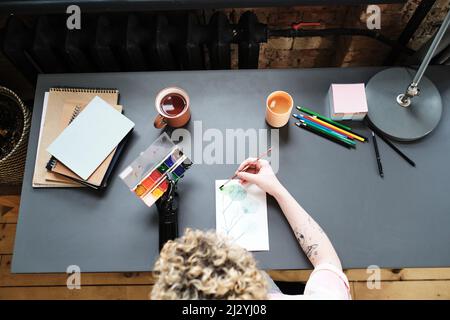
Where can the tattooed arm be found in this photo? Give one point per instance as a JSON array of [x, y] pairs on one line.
[[309, 234]]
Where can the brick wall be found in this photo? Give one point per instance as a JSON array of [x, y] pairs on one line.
[[430, 23], [337, 51]]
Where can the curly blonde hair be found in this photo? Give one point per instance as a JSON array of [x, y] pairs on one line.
[[204, 265]]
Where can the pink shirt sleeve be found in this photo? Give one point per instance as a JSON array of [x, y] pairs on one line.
[[327, 282]]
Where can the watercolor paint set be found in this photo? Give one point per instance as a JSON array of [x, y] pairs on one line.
[[148, 176]]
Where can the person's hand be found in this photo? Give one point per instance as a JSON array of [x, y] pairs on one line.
[[260, 173]]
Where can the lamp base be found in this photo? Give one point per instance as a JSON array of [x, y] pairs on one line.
[[402, 123]]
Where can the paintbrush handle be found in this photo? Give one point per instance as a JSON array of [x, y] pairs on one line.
[[235, 175], [243, 170], [248, 165], [257, 159]]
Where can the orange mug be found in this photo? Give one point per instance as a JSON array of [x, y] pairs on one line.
[[172, 105], [278, 108]]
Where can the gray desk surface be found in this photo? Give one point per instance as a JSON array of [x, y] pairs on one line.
[[400, 221]]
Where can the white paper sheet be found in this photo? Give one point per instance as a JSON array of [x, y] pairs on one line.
[[241, 214], [41, 127], [90, 138], [44, 113]]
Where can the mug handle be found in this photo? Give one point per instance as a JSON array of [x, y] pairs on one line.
[[160, 122]]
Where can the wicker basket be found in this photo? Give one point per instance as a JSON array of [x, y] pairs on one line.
[[12, 165]]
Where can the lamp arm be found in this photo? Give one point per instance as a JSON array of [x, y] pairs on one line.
[[437, 39], [413, 89]]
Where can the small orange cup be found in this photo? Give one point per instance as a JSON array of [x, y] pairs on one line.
[[279, 105]]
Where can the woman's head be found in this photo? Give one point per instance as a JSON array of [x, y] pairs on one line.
[[204, 265]]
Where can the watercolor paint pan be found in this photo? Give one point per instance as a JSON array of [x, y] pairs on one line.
[[164, 165], [179, 171], [151, 197], [178, 166], [148, 175], [155, 184], [169, 162], [147, 160], [173, 157], [160, 168], [147, 185]]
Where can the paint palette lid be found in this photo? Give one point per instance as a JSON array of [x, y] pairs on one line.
[[147, 160]]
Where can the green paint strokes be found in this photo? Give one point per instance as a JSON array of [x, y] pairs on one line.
[[235, 191], [249, 205]]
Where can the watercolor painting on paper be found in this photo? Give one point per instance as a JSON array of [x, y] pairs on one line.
[[241, 214]]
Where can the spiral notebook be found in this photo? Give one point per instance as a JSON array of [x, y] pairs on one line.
[[90, 137], [50, 128], [58, 172]]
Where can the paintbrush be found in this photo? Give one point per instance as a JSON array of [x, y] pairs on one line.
[[262, 155]]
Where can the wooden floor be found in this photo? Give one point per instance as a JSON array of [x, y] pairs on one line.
[[396, 284]]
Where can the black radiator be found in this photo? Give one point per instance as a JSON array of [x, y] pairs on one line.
[[130, 42], [173, 40]]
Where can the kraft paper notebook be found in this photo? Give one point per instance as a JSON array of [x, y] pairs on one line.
[[50, 129], [59, 172], [90, 138], [99, 178]]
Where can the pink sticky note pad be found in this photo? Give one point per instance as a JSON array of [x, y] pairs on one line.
[[348, 101]]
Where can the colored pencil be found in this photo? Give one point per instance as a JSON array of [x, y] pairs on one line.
[[312, 113], [313, 120], [344, 132], [262, 155], [348, 131], [390, 144], [330, 133], [304, 126], [377, 154]]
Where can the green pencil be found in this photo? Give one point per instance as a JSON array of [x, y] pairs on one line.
[[312, 113], [329, 133]]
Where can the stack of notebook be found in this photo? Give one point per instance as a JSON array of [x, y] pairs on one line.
[[82, 135]]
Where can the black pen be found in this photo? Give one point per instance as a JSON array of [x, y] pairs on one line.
[[377, 154], [390, 144]]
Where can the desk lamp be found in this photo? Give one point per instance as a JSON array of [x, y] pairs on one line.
[[406, 116]]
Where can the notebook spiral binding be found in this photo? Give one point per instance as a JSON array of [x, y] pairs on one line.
[[84, 90], [52, 162], [76, 112]]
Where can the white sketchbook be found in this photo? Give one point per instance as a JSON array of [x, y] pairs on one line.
[[241, 214], [90, 138]]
